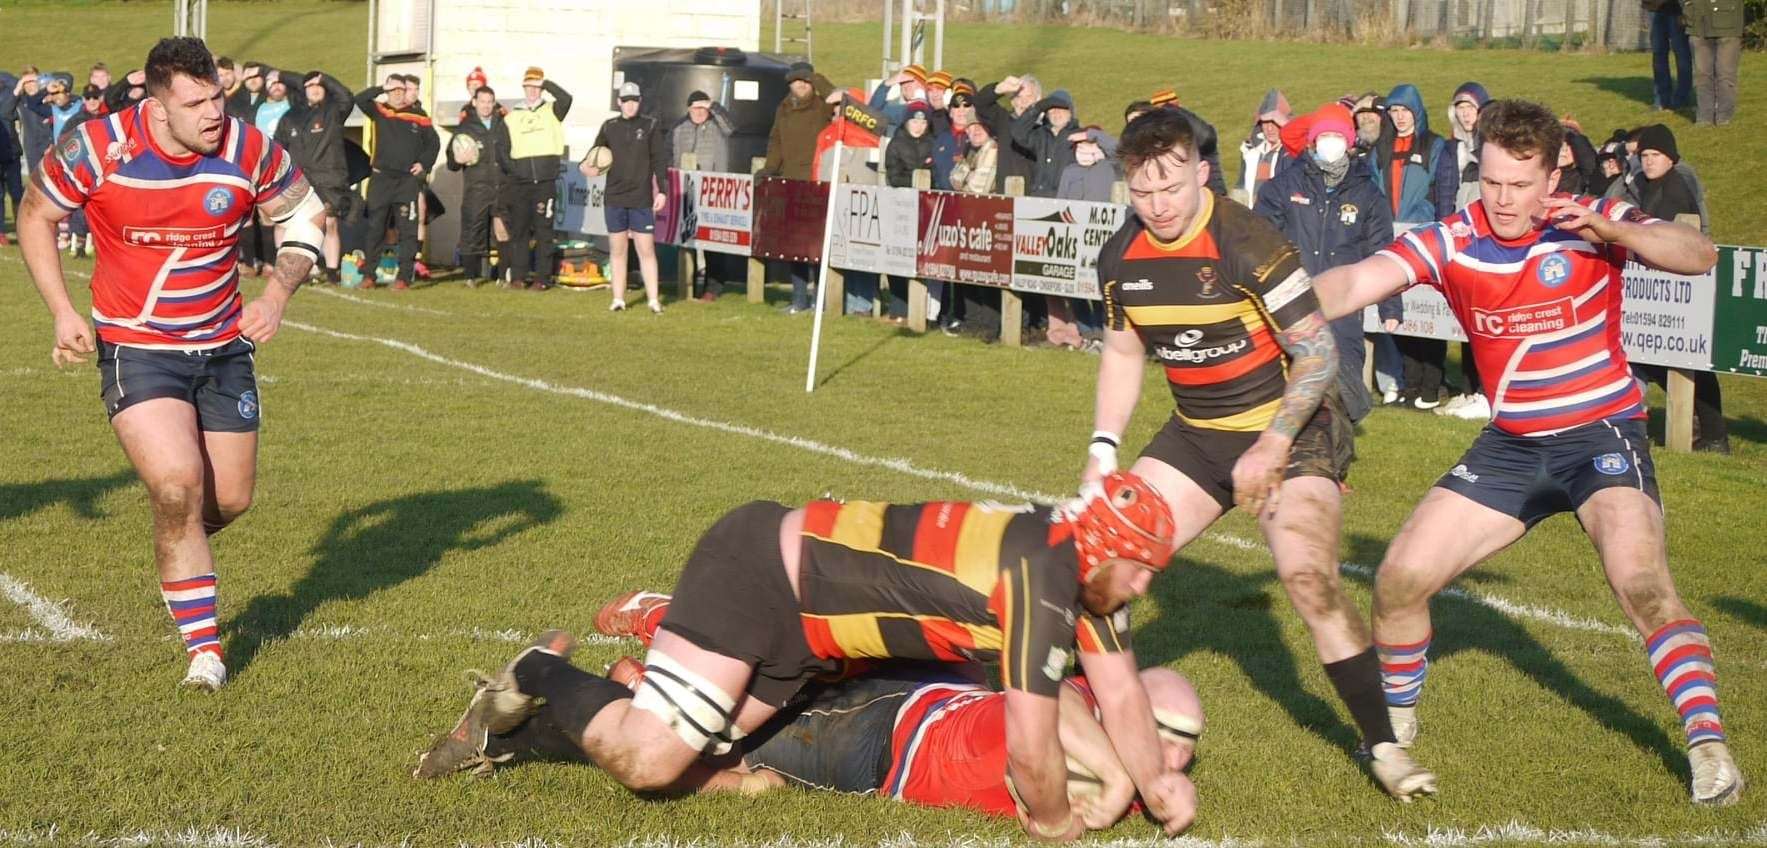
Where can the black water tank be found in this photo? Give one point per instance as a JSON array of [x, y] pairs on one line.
[[749, 85]]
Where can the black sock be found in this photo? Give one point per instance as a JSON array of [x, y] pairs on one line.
[[540, 737], [573, 696], [1357, 680]]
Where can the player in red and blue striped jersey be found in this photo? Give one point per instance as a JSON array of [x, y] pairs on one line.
[[166, 185], [1534, 278]]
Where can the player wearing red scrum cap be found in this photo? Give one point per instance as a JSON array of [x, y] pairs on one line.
[[773, 597]]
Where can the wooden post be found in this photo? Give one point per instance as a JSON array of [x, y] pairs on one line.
[[683, 253], [757, 268], [917, 305], [1678, 415], [1012, 309]]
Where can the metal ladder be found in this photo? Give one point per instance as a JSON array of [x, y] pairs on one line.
[[906, 35], [799, 13]]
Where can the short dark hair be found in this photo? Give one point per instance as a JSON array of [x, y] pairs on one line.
[[224, 63], [100, 66], [1155, 134], [174, 56], [1523, 129], [484, 89]]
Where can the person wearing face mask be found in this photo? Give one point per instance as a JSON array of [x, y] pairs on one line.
[[1327, 204]]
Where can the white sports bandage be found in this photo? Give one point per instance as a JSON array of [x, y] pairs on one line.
[[1176, 727], [698, 712], [299, 233], [1104, 450]]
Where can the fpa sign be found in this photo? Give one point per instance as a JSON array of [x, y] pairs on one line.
[[1740, 320]]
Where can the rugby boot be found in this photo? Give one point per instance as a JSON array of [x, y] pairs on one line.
[[207, 673], [464, 746], [1400, 775], [1716, 781], [636, 613]]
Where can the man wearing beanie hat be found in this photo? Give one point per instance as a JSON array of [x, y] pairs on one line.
[[1326, 202], [1261, 152], [911, 84], [705, 133], [529, 150], [315, 127]]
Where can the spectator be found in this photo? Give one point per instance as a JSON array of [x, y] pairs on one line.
[[705, 133], [1611, 158], [1668, 34], [938, 96], [405, 149], [1630, 187], [1075, 322], [128, 91], [57, 103], [228, 74], [1579, 170], [1014, 160], [910, 87], [1664, 193], [1046, 130], [11, 150], [1416, 171], [1370, 111], [315, 128], [1717, 52], [33, 128], [635, 193], [791, 153], [974, 173], [1327, 203], [911, 149], [949, 144], [269, 113], [530, 145], [244, 97], [1463, 117], [482, 182], [1262, 152], [99, 76]]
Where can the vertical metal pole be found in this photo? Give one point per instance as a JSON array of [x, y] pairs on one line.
[[939, 37], [373, 41], [778, 26], [905, 56], [889, 21]]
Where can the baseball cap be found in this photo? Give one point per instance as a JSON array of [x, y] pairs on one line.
[[799, 71], [91, 92], [629, 91]]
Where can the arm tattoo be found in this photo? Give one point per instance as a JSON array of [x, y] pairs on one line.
[[291, 270], [1313, 365]]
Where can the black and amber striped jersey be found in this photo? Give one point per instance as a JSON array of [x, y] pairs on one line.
[[949, 581], [1208, 306]]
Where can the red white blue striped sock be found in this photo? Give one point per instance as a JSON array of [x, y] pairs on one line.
[[191, 602], [1681, 656], [1402, 669]]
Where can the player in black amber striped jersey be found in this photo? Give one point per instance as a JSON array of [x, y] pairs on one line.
[[1220, 298]]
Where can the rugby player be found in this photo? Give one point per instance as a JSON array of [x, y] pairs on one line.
[[1219, 296], [167, 185], [919, 733], [1534, 278], [773, 596]]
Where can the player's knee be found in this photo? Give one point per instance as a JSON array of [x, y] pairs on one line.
[[1650, 603], [1401, 582], [175, 499], [232, 505], [1315, 594]]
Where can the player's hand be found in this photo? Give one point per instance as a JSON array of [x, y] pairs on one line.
[[261, 318], [1172, 800], [1391, 325], [416, 168], [1567, 214], [657, 204], [1258, 474], [1093, 812], [499, 230], [1077, 137], [1009, 85], [73, 339]]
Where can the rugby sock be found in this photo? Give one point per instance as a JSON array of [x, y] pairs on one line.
[[573, 696], [538, 736], [191, 602], [1358, 682], [1681, 655], [1402, 669]]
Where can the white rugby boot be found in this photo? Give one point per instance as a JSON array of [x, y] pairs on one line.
[[1400, 775], [1716, 779], [207, 673]]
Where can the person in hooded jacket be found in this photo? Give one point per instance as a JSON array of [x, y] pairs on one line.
[[1463, 117], [1262, 152], [1326, 203], [1047, 130], [1417, 172]]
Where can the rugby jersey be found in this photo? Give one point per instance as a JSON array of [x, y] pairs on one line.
[[165, 226], [1209, 306], [949, 581], [948, 747], [1542, 313]]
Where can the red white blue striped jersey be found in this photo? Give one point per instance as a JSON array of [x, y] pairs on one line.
[[1542, 313], [165, 227]]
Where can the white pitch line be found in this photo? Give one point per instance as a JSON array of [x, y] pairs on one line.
[[367, 302], [349, 632], [49, 615], [1529, 611], [1518, 833]]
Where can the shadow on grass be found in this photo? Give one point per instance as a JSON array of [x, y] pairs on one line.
[[1464, 625], [81, 494], [1742, 609], [1640, 89], [387, 543], [1205, 607], [1750, 428]]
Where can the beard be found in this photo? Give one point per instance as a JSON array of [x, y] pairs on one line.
[[195, 142]]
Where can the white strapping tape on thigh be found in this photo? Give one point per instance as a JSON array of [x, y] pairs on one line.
[[698, 711], [1176, 727]]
